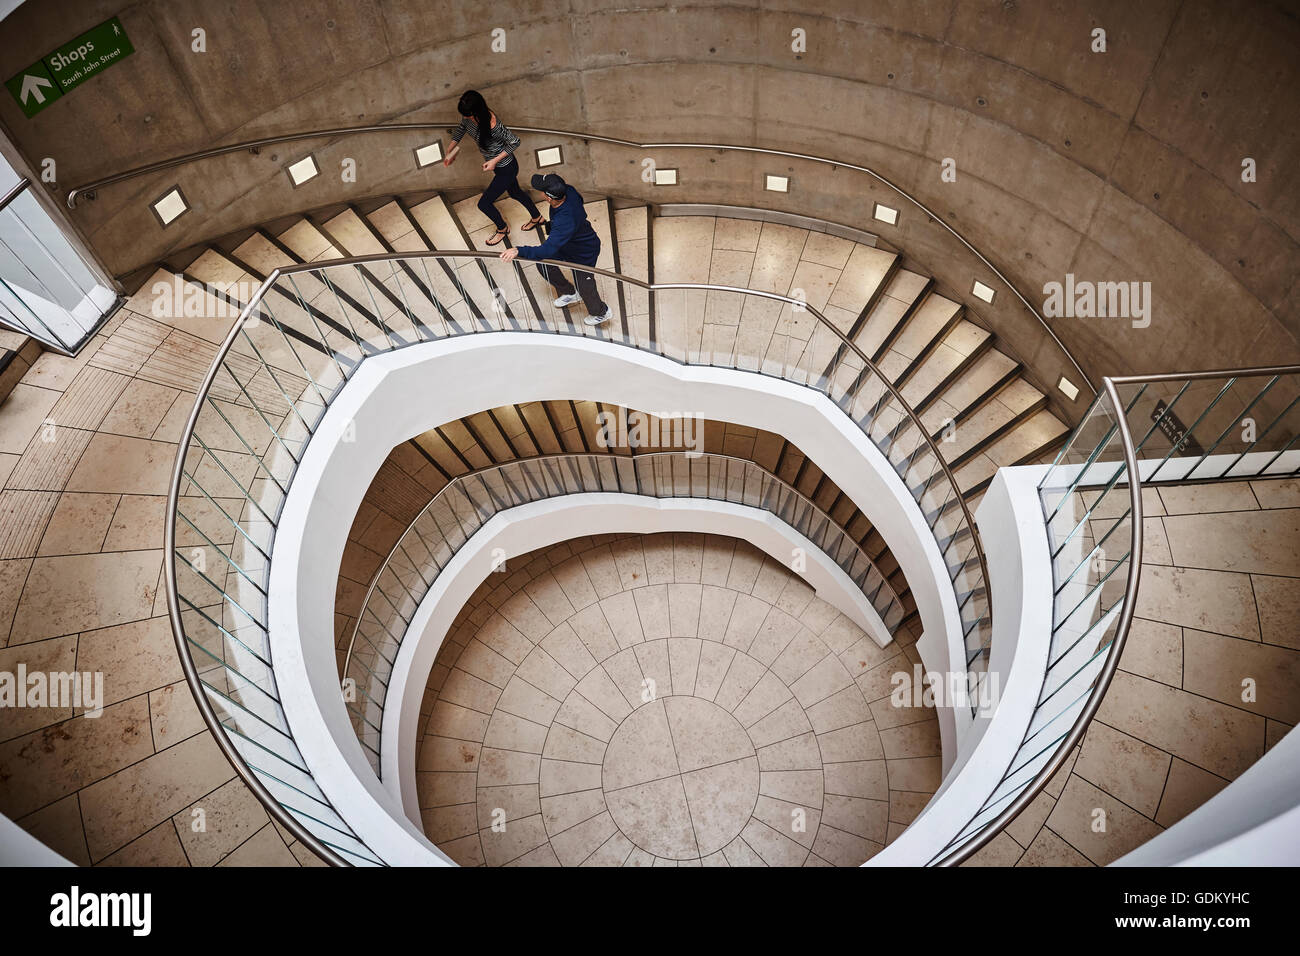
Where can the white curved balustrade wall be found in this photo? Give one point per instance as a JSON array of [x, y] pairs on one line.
[[398, 395]]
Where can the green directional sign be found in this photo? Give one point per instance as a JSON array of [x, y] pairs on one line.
[[69, 66]]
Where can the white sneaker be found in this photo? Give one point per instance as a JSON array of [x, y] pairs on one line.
[[595, 320], [569, 299]]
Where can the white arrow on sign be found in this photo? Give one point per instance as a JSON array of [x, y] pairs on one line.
[[32, 87]]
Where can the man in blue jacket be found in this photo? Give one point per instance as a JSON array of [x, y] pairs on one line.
[[571, 239]]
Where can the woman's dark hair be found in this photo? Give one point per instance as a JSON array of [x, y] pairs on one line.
[[475, 107]]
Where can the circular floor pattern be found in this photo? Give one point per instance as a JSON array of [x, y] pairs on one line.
[[666, 700], [680, 778]]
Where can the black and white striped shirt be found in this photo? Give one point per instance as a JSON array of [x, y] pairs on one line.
[[500, 139]]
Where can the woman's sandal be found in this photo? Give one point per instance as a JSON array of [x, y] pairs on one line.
[[500, 235], [531, 224]]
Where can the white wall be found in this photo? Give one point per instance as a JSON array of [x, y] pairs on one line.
[[395, 396], [1011, 525], [20, 848]]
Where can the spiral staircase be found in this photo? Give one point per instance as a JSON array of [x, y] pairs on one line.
[[770, 733]]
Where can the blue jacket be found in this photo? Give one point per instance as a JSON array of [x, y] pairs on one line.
[[571, 237]]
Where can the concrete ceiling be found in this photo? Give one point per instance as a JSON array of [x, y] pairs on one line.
[[1117, 166]]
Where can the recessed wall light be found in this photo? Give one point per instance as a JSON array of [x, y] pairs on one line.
[[1068, 388], [886, 214], [981, 291], [665, 177], [428, 155], [777, 184], [170, 206], [303, 170], [549, 156]]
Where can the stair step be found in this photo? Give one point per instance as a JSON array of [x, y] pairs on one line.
[[304, 324], [404, 229], [213, 272], [434, 217], [391, 221], [307, 242], [977, 386], [900, 296], [262, 253], [632, 228], [863, 274], [931, 384], [1026, 442], [412, 283], [963, 340], [477, 277], [928, 323], [214, 267], [353, 235]]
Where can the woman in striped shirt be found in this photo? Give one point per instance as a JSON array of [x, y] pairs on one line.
[[497, 144]]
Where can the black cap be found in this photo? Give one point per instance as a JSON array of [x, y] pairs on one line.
[[551, 184]]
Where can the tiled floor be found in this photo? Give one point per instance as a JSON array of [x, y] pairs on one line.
[[1218, 619], [86, 448], [666, 700]]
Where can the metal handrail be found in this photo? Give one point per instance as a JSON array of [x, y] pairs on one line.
[[1131, 452], [1254, 372], [845, 341], [531, 459], [187, 434], [256, 144], [1116, 650], [17, 189], [824, 322], [251, 780]]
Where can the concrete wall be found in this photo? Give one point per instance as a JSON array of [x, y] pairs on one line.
[[1124, 165]]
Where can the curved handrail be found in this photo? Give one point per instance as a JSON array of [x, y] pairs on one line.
[[1220, 414], [256, 144], [214, 725], [823, 322], [14, 192], [1114, 652], [794, 492], [813, 515], [204, 397]]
